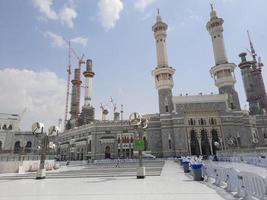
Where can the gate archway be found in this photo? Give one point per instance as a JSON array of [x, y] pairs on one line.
[[205, 145], [215, 138], [107, 152], [194, 143]]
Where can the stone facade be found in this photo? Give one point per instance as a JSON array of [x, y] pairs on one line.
[[18, 142]]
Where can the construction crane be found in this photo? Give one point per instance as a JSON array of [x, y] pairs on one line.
[[114, 104], [80, 62], [252, 50], [68, 84], [104, 111], [260, 64]]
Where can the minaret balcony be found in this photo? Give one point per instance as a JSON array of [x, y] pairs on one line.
[[225, 81], [226, 66], [164, 84], [163, 70]]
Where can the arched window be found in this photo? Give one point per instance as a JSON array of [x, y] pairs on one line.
[[90, 146], [119, 140], [166, 108], [170, 144], [10, 127], [191, 121], [1, 144], [28, 147], [131, 139], [4, 127], [17, 147], [212, 121]]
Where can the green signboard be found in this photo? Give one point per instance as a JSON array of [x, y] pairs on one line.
[[139, 145]]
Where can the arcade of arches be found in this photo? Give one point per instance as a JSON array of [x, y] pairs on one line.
[[19, 148], [204, 142], [125, 145]]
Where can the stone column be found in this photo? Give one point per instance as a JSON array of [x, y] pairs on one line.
[[221, 143], [210, 142], [129, 147], [189, 146], [199, 142]]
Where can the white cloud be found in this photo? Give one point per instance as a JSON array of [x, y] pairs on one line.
[[66, 15], [109, 12], [45, 8], [58, 40], [141, 5], [193, 16], [147, 15], [79, 40], [196, 18], [42, 93]]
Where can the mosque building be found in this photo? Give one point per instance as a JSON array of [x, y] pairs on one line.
[[185, 125]]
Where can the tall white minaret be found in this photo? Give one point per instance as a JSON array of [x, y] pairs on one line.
[[222, 72], [88, 112], [163, 73], [88, 74]]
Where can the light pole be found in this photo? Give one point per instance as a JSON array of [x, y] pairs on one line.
[[139, 125], [38, 130]]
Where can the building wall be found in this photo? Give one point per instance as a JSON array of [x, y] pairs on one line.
[[9, 138]]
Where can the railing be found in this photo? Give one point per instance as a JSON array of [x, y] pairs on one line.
[[242, 184], [260, 161], [5, 158]]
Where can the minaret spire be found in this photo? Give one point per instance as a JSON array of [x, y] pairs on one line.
[[213, 13], [158, 16], [211, 6]]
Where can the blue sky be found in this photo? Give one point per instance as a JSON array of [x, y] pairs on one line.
[[117, 35]]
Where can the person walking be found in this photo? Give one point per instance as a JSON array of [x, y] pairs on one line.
[[118, 163]]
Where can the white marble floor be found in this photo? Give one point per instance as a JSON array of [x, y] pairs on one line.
[[171, 185]]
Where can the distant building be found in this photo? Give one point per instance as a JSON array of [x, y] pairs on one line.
[[12, 140], [9, 122]]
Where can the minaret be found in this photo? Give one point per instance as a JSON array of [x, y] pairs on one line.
[[88, 74], [75, 99], [222, 72], [253, 81], [163, 73], [88, 111], [250, 85]]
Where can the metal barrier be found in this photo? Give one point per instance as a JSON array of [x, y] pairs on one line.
[[260, 161], [242, 184]]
